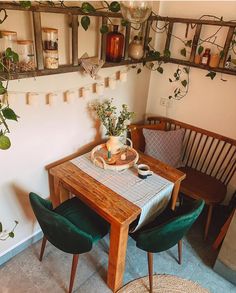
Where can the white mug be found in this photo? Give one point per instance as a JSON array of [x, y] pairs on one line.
[[144, 171]]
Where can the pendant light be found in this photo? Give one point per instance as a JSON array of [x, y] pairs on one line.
[[136, 11]]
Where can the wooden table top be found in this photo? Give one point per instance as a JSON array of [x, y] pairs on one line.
[[110, 205]]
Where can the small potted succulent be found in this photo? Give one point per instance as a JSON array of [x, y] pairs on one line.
[[115, 124]]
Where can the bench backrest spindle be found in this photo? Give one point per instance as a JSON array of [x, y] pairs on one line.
[[203, 150]]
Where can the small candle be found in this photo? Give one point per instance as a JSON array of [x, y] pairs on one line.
[[123, 157], [123, 76], [100, 88], [112, 83], [109, 153]]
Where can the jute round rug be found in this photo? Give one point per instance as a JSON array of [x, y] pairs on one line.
[[163, 284]]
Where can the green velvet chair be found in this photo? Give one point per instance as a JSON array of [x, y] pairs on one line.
[[72, 227], [166, 231]]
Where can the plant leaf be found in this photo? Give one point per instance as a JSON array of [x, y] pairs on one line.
[[2, 89], [167, 53], [5, 142], [170, 80], [183, 52], [189, 43], [11, 234], [124, 22], [8, 113], [222, 54], [114, 6], [85, 22], [87, 7], [200, 50], [104, 29], [170, 97], [160, 69], [0, 227], [25, 4], [184, 83], [211, 74], [186, 69], [139, 70]]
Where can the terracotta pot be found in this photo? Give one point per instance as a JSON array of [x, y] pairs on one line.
[[214, 61], [197, 59]]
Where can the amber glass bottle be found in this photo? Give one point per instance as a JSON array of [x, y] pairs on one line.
[[115, 45]]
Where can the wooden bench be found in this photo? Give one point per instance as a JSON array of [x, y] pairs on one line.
[[209, 160]]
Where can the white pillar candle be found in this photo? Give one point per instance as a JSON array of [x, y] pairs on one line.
[[112, 83], [32, 99], [85, 92], [99, 88], [123, 76], [69, 97], [50, 98]]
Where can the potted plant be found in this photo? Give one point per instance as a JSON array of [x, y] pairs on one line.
[[115, 124], [197, 58]]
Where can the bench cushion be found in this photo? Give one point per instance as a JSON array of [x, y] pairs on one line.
[[165, 146], [201, 186]]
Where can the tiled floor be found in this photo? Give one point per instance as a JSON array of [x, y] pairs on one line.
[[24, 273]]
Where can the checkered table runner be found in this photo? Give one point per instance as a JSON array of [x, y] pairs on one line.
[[151, 195]]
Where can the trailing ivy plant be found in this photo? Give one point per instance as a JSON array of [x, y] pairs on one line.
[[6, 112], [86, 7], [181, 77], [4, 235]]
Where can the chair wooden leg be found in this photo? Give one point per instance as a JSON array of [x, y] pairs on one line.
[[150, 270], [42, 248], [73, 271], [209, 214], [180, 245]]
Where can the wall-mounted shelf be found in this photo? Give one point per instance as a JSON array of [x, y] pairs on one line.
[[74, 12]]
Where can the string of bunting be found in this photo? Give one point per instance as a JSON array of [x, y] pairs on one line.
[[69, 95]]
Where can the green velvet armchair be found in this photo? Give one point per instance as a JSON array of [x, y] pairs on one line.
[[71, 227], [166, 231]]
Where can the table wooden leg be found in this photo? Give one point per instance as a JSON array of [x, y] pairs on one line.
[[117, 255], [64, 194], [54, 185], [175, 194]]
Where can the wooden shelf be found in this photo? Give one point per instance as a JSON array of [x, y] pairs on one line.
[[37, 9], [68, 68], [71, 68], [201, 66]]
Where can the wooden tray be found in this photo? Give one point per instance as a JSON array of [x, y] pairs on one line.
[[100, 159]]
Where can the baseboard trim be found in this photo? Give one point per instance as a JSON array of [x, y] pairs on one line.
[[19, 247], [225, 271]]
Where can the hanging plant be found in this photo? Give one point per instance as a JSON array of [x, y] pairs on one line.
[[181, 77], [4, 235], [8, 59]]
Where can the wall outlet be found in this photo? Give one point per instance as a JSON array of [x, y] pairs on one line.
[[165, 102]]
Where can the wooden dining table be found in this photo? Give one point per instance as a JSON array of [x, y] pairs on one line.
[[66, 179]]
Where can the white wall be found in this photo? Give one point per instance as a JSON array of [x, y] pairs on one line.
[[47, 133], [210, 104]]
